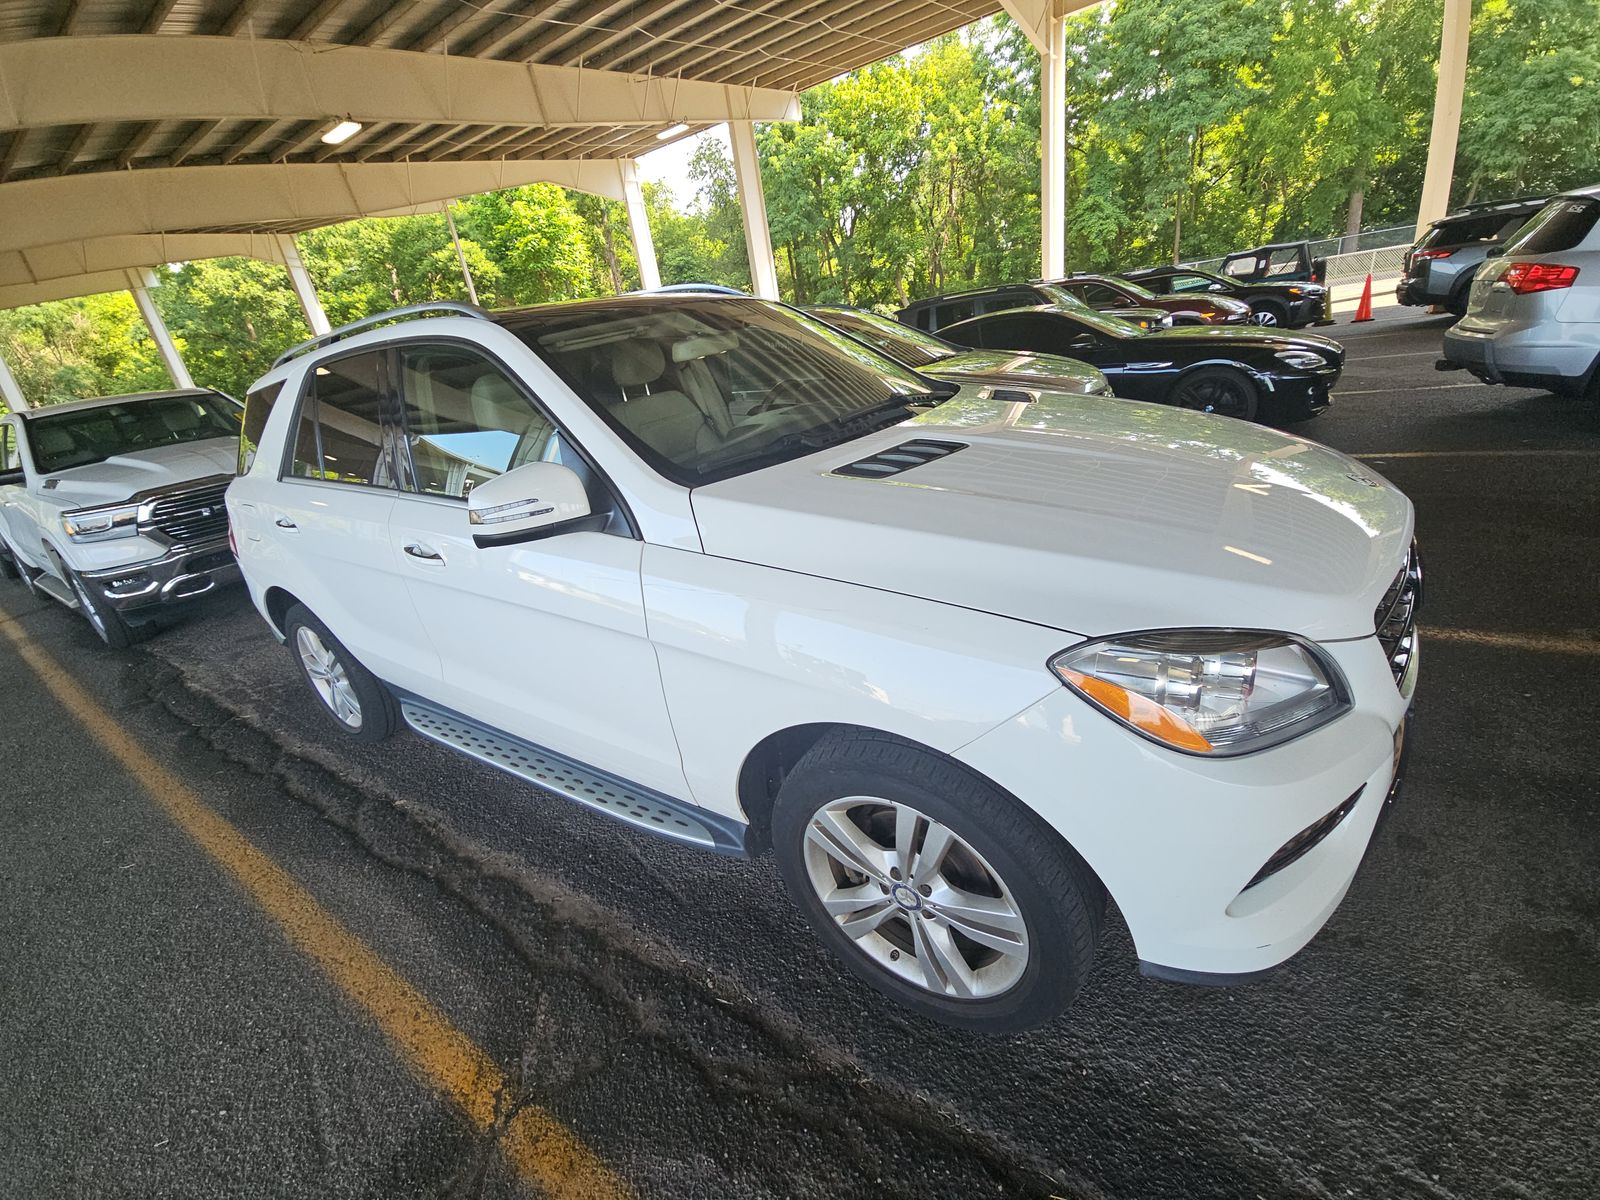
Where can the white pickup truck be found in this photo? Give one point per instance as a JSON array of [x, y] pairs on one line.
[[114, 507]]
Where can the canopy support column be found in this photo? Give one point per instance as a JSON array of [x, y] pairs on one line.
[[753, 206], [461, 255], [1053, 148], [10, 392], [300, 282], [139, 284], [1446, 113], [644, 246]]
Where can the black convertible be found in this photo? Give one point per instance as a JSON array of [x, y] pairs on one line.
[[1233, 372]]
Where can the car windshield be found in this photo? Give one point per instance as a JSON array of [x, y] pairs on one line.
[[1143, 294], [1062, 298], [1193, 281], [1107, 324], [706, 388], [908, 347], [83, 436]]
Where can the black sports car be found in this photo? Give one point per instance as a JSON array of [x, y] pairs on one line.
[[1234, 372], [1289, 305]]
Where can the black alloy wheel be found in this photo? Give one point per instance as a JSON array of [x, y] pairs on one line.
[[1218, 390]]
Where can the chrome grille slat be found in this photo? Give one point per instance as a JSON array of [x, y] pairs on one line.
[[1394, 620], [190, 516]]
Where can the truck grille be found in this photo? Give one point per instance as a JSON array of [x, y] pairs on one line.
[[188, 517], [1396, 616]]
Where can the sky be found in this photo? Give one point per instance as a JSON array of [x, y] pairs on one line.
[[670, 164]]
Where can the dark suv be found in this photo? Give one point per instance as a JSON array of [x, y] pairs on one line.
[[1290, 305], [1440, 268], [936, 312]]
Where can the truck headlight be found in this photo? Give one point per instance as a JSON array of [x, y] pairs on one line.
[[101, 524], [1207, 691], [1301, 360]]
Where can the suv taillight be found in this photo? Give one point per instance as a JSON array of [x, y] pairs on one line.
[[1421, 254], [1525, 277]]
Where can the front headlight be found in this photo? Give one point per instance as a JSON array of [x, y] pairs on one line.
[[101, 524], [1303, 360], [1205, 691]]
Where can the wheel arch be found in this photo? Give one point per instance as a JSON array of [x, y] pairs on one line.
[[276, 603], [773, 758]]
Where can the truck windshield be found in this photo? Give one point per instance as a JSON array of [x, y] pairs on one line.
[[706, 388], [76, 438]]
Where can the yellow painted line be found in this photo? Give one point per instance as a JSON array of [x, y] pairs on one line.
[[1538, 643], [542, 1150], [1517, 453]]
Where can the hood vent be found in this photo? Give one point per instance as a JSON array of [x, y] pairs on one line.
[[1011, 395], [901, 458]]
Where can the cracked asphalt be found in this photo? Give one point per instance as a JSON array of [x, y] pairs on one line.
[[1439, 1040]]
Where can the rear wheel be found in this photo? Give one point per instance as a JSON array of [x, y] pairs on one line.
[[934, 886], [348, 694], [1219, 390]]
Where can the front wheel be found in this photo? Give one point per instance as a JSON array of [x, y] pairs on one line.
[[1219, 390], [934, 886], [1269, 314], [105, 620]]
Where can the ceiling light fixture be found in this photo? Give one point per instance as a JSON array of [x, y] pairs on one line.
[[340, 132], [672, 132]]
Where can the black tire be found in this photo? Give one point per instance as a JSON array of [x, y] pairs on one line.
[[1222, 391], [105, 620], [1269, 313], [377, 713], [1060, 902]]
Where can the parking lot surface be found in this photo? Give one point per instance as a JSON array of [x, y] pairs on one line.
[[242, 957]]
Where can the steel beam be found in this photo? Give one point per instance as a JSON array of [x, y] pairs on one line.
[[753, 206], [139, 284]]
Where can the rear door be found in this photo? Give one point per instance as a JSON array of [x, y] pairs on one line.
[[328, 519], [547, 639]]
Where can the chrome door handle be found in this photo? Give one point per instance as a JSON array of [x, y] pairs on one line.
[[422, 552], [285, 523]]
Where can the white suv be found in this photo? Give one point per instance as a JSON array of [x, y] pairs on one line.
[[966, 664], [114, 506]]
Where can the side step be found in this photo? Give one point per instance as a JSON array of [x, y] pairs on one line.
[[638, 806], [56, 590]]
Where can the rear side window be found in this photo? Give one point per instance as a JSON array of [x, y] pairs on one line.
[[257, 408], [341, 436], [1559, 225], [1023, 332], [465, 421], [953, 311]]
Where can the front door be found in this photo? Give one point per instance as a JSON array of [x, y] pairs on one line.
[[545, 640]]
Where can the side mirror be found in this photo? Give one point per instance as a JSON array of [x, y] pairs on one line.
[[1495, 252], [535, 500]]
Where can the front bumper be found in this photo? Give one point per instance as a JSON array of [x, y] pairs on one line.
[[1305, 311], [1178, 839], [1300, 395], [183, 573]]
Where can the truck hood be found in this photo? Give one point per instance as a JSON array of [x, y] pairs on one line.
[[1010, 368], [125, 475], [1089, 516]]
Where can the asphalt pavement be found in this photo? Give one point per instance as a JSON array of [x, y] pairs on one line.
[[166, 1031]]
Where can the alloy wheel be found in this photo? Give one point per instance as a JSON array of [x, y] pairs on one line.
[[1220, 394], [328, 677], [1264, 316], [916, 897]]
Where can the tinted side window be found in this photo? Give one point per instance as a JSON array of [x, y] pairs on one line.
[[465, 421], [1100, 296], [1560, 225], [1023, 332], [10, 460], [953, 311], [341, 436], [1188, 283], [257, 408]]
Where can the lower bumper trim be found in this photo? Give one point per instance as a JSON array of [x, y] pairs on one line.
[[1152, 970]]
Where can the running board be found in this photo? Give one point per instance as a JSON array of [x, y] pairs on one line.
[[56, 590], [631, 803]]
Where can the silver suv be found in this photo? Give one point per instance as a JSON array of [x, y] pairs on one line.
[[1440, 268], [1534, 316]]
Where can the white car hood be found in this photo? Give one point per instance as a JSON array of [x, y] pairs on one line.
[[1090, 516], [125, 475]]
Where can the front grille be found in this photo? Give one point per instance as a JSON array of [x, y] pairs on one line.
[[1395, 618], [188, 517]]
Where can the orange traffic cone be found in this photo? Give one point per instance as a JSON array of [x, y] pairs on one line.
[[1364, 309]]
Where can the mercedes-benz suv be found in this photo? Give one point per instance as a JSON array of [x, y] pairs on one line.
[[965, 664]]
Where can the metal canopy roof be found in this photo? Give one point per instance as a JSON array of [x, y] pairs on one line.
[[787, 45]]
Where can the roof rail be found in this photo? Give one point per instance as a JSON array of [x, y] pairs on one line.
[[393, 314]]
